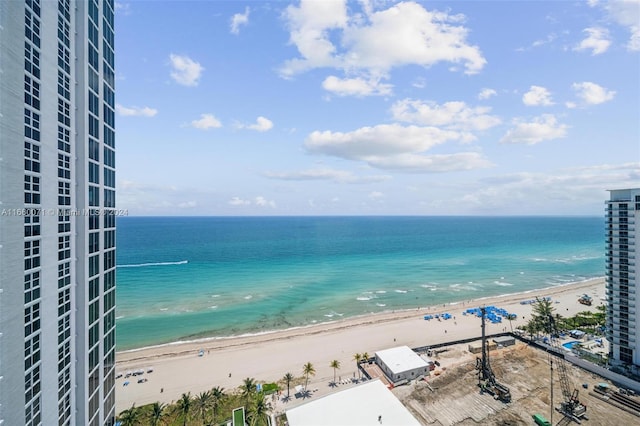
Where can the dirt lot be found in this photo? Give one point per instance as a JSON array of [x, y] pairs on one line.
[[452, 397]]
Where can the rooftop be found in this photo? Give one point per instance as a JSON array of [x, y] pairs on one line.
[[368, 404], [401, 359]]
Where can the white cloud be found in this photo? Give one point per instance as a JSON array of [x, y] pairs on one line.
[[185, 71], [206, 121], [237, 201], [591, 93], [542, 128], [136, 111], [376, 195], [239, 19], [327, 174], [309, 25], [262, 124], [598, 40], [263, 202], [187, 205], [368, 45], [355, 86], [393, 146], [627, 14], [486, 93], [537, 96], [452, 115], [259, 201], [123, 8]]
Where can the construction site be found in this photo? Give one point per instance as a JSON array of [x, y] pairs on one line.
[[517, 385]]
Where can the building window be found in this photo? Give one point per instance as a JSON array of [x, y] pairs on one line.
[[94, 172], [31, 319], [32, 225], [31, 254], [94, 196], [31, 189], [64, 193], [31, 286], [64, 166], [94, 265]]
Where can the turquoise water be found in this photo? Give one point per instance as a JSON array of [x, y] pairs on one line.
[[570, 345], [187, 278]]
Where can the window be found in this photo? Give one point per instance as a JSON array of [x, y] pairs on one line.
[[63, 139], [64, 114], [31, 153], [31, 286], [94, 265], [109, 157], [94, 126], [109, 198], [64, 193], [94, 242], [31, 189], [94, 172], [94, 196], [31, 92], [31, 319], [64, 166], [64, 247], [31, 60]]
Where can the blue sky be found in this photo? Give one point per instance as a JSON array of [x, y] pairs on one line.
[[376, 107]]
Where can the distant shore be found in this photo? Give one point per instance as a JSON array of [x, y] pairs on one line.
[[178, 368]]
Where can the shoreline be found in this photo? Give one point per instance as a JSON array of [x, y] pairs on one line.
[[198, 366], [368, 318]]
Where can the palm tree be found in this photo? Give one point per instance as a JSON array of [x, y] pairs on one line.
[[248, 388], [357, 358], [365, 357], [184, 406], [157, 413], [217, 394], [308, 369], [258, 410], [202, 403], [131, 416], [288, 378], [335, 364]]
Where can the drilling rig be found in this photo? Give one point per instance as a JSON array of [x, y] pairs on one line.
[[486, 379], [570, 408]]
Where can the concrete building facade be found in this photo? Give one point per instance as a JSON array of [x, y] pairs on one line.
[[622, 236], [57, 212]]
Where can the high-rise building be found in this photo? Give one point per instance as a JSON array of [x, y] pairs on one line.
[[57, 223], [622, 233]]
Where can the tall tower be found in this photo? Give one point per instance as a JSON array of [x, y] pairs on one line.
[[623, 233], [57, 223]]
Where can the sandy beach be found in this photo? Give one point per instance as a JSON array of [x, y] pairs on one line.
[[178, 368]]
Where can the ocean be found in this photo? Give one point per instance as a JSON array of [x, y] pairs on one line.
[[186, 278]]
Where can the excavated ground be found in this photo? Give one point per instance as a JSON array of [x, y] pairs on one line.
[[451, 396]]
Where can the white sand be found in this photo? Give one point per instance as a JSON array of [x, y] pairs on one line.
[[267, 358]]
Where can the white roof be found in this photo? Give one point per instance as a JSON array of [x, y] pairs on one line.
[[401, 359], [357, 406]]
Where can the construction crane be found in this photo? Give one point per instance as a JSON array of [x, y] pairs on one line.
[[570, 408], [486, 379]]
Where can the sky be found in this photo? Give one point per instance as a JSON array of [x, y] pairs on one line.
[[375, 107]]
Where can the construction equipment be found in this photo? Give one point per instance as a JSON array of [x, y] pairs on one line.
[[486, 379], [585, 299], [570, 408]]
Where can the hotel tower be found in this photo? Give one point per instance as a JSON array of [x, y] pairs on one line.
[[623, 234], [57, 223]]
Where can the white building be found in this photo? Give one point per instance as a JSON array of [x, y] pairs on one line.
[[368, 404], [401, 364], [57, 222], [622, 234]]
